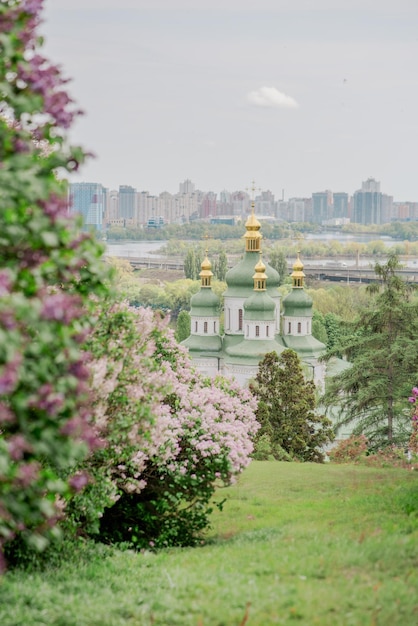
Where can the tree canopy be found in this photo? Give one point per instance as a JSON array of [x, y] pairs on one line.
[[286, 409], [383, 350]]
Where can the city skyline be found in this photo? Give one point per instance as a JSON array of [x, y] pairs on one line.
[[128, 207], [297, 98]]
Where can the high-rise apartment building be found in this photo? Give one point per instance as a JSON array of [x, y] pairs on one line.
[[295, 210], [322, 206], [367, 203], [89, 201], [265, 203], [127, 202], [187, 187], [340, 204], [208, 207]]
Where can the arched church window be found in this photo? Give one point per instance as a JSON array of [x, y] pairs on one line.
[[205, 327], [299, 327], [267, 331], [289, 328], [257, 331], [239, 319], [195, 327]]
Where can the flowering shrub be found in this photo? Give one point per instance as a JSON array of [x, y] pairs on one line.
[[355, 450], [172, 435], [350, 450], [391, 456], [47, 273]]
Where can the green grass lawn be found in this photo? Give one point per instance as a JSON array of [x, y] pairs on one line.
[[295, 544]]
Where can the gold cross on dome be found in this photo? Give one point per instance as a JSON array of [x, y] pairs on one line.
[[253, 189]]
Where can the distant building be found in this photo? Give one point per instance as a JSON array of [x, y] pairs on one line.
[[89, 201], [187, 187], [265, 204], [340, 205], [127, 202], [295, 210], [370, 205], [208, 207], [322, 207]]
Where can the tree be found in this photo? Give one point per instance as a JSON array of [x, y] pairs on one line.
[[318, 327], [286, 409], [279, 263], [183, 326], [192, 263], [383, 350], [221, 266], [51, 277]]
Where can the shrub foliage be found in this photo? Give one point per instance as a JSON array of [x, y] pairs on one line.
[[172, 435], [48, 275]]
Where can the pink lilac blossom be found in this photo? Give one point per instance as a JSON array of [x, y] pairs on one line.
[[209, 419]]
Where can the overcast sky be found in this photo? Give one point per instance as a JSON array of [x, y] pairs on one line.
[[299, 95]]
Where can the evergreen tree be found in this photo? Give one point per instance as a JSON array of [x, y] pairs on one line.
[[183, 326], [278, 261], [286, 409], [383, 349]]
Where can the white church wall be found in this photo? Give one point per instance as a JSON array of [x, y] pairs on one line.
[[205, 326], [297, 326]]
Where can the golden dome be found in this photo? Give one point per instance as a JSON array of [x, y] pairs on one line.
[[298, 265], [298, 274], [206, 264], [260, 276], [252, 222], [260, 268]]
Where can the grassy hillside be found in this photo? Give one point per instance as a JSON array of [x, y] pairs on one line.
[[296, 544]]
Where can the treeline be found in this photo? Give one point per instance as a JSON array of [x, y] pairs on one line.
[[403, 231]]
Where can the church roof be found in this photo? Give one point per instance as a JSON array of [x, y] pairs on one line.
[[204, 303], [305, 345], [297, 303], [259, 306], [239, 279], [208, 345], [253, 350]]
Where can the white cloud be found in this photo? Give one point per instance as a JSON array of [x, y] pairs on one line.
[[271, 97]]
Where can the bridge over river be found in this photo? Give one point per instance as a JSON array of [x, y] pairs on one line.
[[322, 269]]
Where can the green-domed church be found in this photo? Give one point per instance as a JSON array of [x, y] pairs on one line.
[[255, 323]]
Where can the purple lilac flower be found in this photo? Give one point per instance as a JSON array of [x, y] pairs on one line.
[[79, 481], [5, 282], [9, 376], [61, 307], [18, 445]]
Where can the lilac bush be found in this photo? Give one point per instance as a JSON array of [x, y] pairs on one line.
[[172, 435], [50, 277]]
